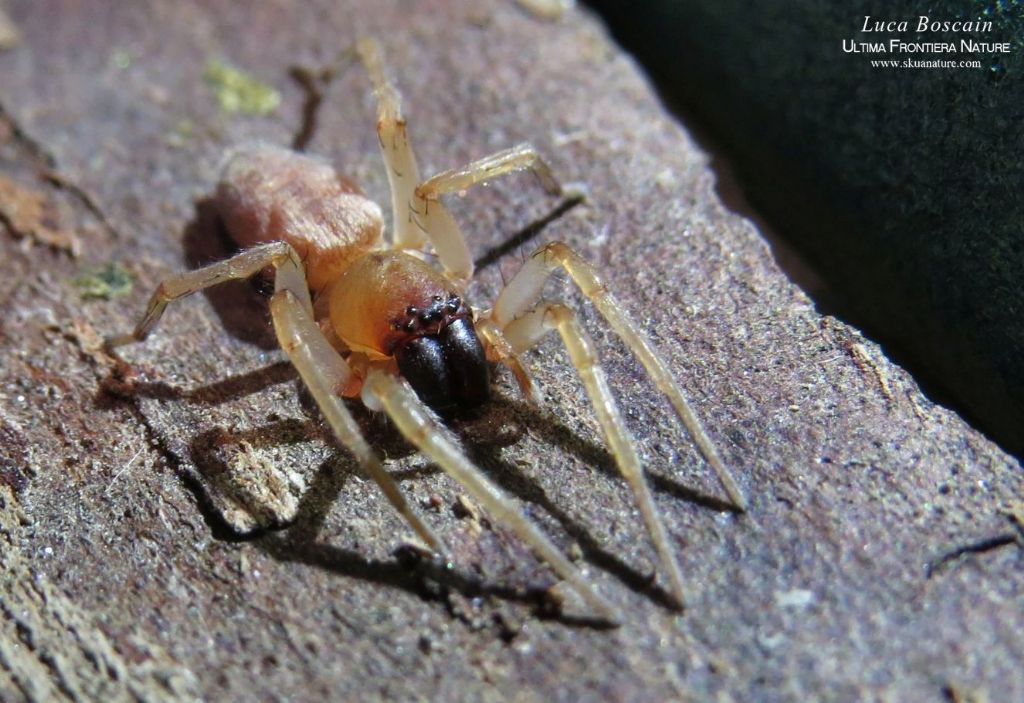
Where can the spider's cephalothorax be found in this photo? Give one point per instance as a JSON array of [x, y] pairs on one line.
[[356, 315], [390, 304]]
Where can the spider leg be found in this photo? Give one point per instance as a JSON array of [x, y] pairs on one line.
[[499, 349], [245, 264], [431, 214], [403, 173], [417, 211], [518, 158], [324, 371], [414, 223], [524, 290], [522, 334], [319, 365], [416, 423]]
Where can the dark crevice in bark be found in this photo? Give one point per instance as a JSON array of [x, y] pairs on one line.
[[47, 168]]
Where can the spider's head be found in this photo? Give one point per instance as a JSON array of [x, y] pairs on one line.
[[448, 369]]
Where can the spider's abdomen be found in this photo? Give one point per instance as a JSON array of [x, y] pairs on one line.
[[394, 305], [267, 193]]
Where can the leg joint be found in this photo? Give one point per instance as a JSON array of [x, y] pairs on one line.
[[581, 271], [555, 251]]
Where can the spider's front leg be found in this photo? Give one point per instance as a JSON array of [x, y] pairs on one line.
[[523, 326], [525, 332], [383, 391], [523, 292], [319, 365]]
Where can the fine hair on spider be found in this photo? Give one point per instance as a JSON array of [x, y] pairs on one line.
[[361, 316]]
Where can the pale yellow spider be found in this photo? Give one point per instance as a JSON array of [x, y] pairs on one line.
[[356, 314]]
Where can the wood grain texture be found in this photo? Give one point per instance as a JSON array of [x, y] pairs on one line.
[[136, 555]]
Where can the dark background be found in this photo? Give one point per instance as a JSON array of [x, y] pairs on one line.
[[900, 188]]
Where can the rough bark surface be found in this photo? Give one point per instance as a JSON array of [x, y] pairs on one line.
[[139, 552]]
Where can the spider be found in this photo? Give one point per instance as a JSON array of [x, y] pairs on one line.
[[359, 316]]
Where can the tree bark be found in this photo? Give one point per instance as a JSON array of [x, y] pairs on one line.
[[181, 526]]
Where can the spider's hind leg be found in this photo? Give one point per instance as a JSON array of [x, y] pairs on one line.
[[442, 229], [280, 255], [418, 213], [399, 158]]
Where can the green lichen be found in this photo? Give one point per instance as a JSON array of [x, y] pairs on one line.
[[183, 131], [104, 283], [120, 59], [237, 91]]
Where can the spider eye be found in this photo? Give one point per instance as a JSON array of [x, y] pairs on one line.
[[447, 370]]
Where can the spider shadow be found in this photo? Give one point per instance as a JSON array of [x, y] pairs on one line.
[[482, 437], [411, 571], [428, 578], [119, 385], [527, 233], [556, 433], [298, 541], [240, 305]]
